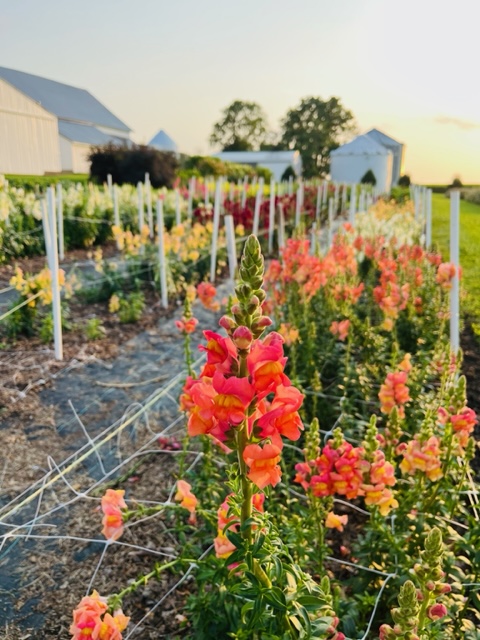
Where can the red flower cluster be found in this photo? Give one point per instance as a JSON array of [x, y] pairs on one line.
[[346, 471], [92, 622], [219, 401]]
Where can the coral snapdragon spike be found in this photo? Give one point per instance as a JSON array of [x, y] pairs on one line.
[[185, 496], [92, 621], [112, 505]]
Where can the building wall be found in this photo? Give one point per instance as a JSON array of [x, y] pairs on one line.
[[352, 168], [66, 154], [80, 153], [28, 135]]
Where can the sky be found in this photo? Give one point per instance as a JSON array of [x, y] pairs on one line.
[[408, 68]]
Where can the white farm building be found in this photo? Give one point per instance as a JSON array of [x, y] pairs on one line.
[[276, 161], [373, 150], [50, 127]]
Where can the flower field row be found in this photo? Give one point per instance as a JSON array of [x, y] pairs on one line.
[[333, 497]]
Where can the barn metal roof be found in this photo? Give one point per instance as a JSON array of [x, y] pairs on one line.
[[382, 138], [84, 133], [257, 156], [163, 142], [63, 100], [361, 145]]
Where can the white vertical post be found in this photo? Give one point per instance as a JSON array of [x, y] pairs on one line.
[[231, 192], [216, 223], [231, 247], [325, 193], [51, 246], [258, 204], [319, 203], [110, 184], [428, 222], [140, 206], [61, 242], [281, 226], [298, 202], [161, 254], [191, 191], [271, 217], [244, 192], [178, 214], [331, 206], [148, 193], [353, 204], [455, 260], [205, 188], [361, 201], [344, 198], [116, 213]]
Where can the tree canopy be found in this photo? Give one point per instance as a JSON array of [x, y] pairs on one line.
[[314, 129], [242, 127]]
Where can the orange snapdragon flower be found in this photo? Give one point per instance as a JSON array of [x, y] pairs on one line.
[[186, 325], [206, 293], [424, 457], [263, 464], [334, 521], [88, 623], [112, 505], [340, 329], [187, 499]]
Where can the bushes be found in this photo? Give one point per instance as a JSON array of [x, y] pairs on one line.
[[130, 164], [40, 183], [369, 178], [209, 166]]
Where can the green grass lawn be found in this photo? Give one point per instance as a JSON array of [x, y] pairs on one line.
[[469, 245]]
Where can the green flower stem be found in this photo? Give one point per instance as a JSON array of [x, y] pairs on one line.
[[242, 441], [116, 599], [188, 354]]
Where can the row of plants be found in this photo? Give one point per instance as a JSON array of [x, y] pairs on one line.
[[121, 283], [335, 483], [88, 215]]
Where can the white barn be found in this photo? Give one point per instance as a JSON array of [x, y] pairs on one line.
[[276, 161], [49, 127], [373, 150]]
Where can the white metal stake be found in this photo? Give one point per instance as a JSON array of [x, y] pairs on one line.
[[298, 202], [231, 246], [244, 192], [231, 192], [428, 229], [331, 206], [325, 193], [61, 242], [53, 246], [116, 213], [318, 204], [110, 184], [455, 260], [178, 215], [148, 192], [140, 206], [191, 191], [353, 204], [281, 226], [344, 198], [258, 204], [216, 223], [161, 254], [271, 218]]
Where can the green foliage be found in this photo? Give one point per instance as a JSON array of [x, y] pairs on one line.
[[131, 307], [315, 128], [400, 194], [40, 183], [129, 164], [404, 181], [242, 127], [207, 166], [288, 173], [369, 178], [94, 329]]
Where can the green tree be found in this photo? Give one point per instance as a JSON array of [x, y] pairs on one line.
[[243, 127], [315, 128]]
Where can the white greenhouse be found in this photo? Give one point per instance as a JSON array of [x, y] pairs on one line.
[[276, 161], [49, 127], [163, 142], [350, 162]]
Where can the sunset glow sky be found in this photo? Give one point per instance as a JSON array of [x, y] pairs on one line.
[[409, 68]]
